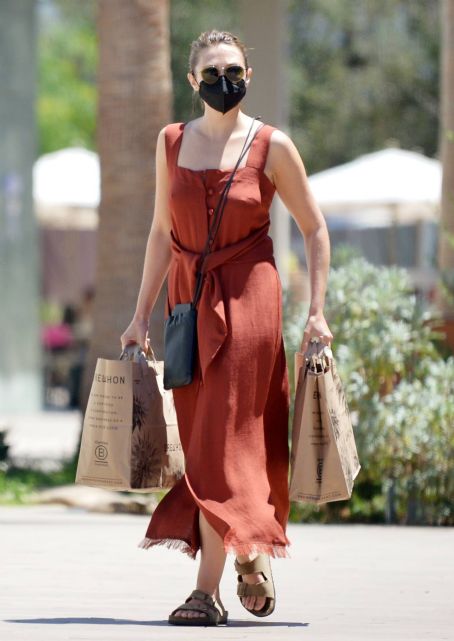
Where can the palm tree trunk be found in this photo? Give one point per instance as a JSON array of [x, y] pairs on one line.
[[134, 103], [446, 235]]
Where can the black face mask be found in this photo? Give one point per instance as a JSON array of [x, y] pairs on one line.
[[223, 95]]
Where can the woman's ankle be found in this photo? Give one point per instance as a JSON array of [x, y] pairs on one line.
[[243, 558], [211, 592]]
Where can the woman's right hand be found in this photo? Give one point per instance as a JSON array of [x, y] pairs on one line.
[[136, 332]]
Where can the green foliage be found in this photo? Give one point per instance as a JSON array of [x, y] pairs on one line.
[[18, 483], [67, 59], [363, 74], [412, 438], [399, 389]]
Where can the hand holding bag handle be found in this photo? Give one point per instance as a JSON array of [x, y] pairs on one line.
[[180, 328]]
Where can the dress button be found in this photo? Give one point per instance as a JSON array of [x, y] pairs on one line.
[[210, 191], [211, 211]]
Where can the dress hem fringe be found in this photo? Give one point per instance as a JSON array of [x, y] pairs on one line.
[[243, 549], [174, 544]]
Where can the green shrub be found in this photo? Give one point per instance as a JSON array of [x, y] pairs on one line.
[[414, 442], [399, 390]]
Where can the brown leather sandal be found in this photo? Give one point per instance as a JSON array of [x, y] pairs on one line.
[[212, 614], [260, 564]]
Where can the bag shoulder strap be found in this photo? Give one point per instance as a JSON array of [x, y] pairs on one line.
[[220, 210]]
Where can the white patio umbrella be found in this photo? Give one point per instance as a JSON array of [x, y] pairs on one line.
[[381, 188], [66, 188], [66, 195]]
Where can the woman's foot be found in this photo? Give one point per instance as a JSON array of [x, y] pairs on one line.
[[251, 602], [190, 614]]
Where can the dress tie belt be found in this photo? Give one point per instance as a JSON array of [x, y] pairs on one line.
[[211, 320]]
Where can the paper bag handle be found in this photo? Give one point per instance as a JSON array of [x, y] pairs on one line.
[[136, 348], [312, 357]]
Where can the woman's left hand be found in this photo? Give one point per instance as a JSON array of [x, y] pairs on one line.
[[316, 327]]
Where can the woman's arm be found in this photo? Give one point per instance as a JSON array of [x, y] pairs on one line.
[[289, 176], [158, 253]]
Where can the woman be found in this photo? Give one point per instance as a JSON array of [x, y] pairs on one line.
[[233, 416]]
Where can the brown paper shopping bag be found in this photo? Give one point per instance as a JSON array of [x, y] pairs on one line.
[[324, 461], [130, 439]]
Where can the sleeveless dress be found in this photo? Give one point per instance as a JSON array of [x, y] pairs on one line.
[[233, 417]]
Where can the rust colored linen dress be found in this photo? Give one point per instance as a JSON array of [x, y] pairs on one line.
[[233, 416]]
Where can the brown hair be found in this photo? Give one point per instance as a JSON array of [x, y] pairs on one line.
[[213, 37]]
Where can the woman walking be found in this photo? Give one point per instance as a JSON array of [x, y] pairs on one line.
[[233, 416]]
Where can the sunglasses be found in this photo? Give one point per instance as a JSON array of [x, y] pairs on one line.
[[234, 73]]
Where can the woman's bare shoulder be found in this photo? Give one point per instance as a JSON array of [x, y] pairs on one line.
[[280, 141], [282, 149]]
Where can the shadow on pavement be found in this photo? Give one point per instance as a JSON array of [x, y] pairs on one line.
[[235, 623]]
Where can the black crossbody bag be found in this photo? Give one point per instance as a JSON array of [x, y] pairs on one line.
[[180, 327]]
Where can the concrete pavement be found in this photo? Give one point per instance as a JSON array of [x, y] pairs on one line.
[[71, 574]]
